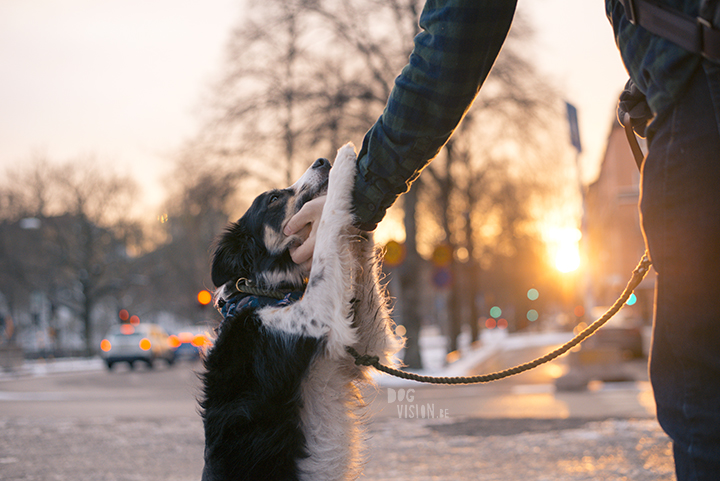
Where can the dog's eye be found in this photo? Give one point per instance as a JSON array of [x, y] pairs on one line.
[[273, 198]]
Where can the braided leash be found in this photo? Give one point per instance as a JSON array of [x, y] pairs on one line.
[[370, 360], [638, 275]]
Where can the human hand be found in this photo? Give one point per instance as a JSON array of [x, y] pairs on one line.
[[304, 223]]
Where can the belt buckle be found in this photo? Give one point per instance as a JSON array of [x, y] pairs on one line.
[[630, 11]]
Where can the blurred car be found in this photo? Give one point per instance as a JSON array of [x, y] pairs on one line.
[[621, 332], [142, 342], [189, 343]]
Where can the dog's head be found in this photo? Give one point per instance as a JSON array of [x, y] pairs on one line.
[[255, 247]]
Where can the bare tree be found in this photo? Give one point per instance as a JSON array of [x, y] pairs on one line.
[[76, 252], [203, 199], [499, 162]]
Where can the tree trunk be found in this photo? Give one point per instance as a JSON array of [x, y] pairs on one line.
[[455, 305], [410, 283]]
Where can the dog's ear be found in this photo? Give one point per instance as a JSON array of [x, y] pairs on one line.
[[234, 255]]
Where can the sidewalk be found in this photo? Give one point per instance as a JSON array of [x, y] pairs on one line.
[[519, 449], [108, 448], [572, 449]]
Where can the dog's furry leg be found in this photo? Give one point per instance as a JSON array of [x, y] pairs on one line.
[[329, 396], [371, 310], [324, 310]]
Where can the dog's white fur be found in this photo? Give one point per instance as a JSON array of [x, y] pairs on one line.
[[344, 268]]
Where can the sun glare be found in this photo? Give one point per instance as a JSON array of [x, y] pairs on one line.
[[567, 257], [391, 228], [564, 248]]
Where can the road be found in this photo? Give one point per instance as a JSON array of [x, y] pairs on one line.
[[143, 425]]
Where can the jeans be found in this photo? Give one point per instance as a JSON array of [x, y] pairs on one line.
[[680, 213]]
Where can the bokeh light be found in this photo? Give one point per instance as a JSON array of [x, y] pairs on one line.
[[532, 315], [631, 300], [204, 297], [533, 294], [495, 312]]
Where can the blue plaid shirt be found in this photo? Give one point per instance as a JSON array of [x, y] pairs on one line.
[[450, 61], [659, 68]]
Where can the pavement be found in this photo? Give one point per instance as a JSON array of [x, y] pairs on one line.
[[134, 449], [520, 449], [144, 447]]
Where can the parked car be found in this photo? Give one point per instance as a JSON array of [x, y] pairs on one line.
[[130, 343], [621, 332], [189, 343]]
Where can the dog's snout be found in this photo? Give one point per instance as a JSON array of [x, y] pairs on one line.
[[321, 164]]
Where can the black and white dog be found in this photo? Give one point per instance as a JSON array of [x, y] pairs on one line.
[[281, 396]]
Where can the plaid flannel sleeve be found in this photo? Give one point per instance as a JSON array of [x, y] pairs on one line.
[[450, 61]]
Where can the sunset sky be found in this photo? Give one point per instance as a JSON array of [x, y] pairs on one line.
[[122, 80]]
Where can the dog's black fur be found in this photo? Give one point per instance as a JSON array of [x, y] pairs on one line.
[[251, 408], [251, 405]]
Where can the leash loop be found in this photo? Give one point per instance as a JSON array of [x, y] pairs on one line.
[[365, 359]]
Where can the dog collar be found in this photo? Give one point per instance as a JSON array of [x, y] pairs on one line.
[[244, 302]]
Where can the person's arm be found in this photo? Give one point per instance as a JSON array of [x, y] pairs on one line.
[[449, 63]]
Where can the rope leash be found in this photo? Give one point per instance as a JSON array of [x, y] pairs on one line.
[[637, 276], [374, 361]]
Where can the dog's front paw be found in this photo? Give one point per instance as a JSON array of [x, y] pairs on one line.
[[342, 177]]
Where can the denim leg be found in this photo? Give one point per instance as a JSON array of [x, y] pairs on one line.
[[680, 209]]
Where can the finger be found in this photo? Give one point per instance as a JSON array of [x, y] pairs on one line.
[[308, 213], [304, 251], [296, 222]]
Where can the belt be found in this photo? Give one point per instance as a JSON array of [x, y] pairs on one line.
[[695, 35]]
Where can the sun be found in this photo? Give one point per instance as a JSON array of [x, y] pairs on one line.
[[563, 248], [567, 257]]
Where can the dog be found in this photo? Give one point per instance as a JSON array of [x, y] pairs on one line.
[[281, 396]]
